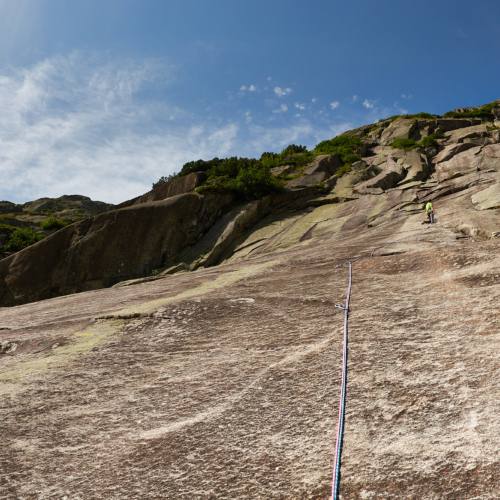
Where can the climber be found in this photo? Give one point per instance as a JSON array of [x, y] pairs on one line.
[[429, 211]]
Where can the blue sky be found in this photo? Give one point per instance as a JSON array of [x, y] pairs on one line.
[[101, 98]]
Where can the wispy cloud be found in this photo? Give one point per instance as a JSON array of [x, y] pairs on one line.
[[334, 104], [81, 124], [283, 108], [252, 88], [404, 96], [72, 125], [354, 98], [368, 104], [281, 92]]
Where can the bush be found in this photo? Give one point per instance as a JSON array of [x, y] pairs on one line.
[[163, 180], [22, 238], [230, 167], [343, 170], [53, 223], [425, 116], [292, 149], [430, 140], [198, 166], [480, 112], [345, 146], [392, 118], [406, 144], [251, 183], [254, 183]]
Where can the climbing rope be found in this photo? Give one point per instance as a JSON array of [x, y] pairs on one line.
[[340, 425]]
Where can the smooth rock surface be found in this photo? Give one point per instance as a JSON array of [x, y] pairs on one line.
[[224, 382], [181, 185], [488, 198]]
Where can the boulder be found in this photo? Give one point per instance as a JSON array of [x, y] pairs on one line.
[[459, 135], [447, 124], [388, 178], [401, 128], [324, 163], [283, 170], [416, 166], [103, 250], [175, 187], [471, 160], [450, 151], [307, 181], [492, 150], [323, 167], [461, 164], [487, 199]]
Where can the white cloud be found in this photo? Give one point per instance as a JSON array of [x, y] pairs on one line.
[[281, 92], [72, 125], [334, 104], [354, 98], [243, 87], [404, 96], [300, 106], [314, 99], [269, 78], [252, 88], [368, 104], [83, 125], [298, 114], [283, 109]]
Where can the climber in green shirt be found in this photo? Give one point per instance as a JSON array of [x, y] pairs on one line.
[[430, 211]]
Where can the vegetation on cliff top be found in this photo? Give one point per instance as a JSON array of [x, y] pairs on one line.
[[250, 178], [21, 238], [409, 144], [53, 223], [479, 112]]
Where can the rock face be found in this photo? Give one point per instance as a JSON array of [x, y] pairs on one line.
[[323, 167], [111, 247], [218, 376], [67, 208], [181, 185], [224, 382], [472, 160]]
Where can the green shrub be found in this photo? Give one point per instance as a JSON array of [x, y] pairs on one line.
[[392, 118], [424, 116], [230, 167], [402, 143], [480, 112], [345, 146], [53, 223], [343, 170], [251, 183], [163, 180], [22, 238], [198, 166], [292, 149], [430, 140]]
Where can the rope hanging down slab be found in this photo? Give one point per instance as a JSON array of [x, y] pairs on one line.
[[338, 447], [340, 426]]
